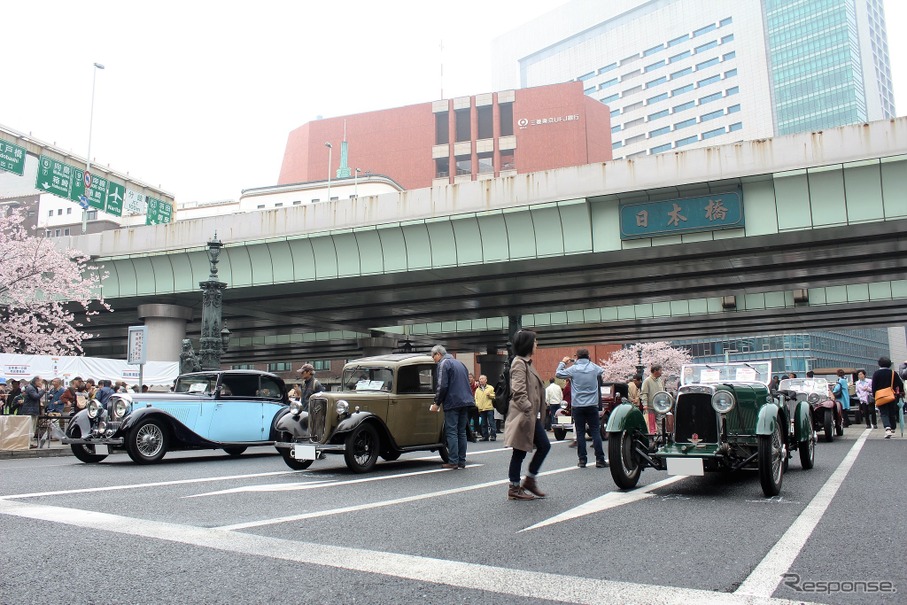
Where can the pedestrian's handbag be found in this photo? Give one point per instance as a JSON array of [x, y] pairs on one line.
[[886, 395]]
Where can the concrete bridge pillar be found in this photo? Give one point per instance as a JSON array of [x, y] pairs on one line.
[[377, 345], [166, 330]]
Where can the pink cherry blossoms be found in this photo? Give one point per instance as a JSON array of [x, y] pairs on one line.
[[41, 290], [621, 366]]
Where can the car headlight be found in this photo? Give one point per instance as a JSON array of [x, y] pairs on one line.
[[121, 405], [812, 398], [343, 406], [662, 402], [563, 405], [723, 402], [295, 407], [94, 408]]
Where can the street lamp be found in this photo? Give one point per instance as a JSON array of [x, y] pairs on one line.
[[215, 336], [640, 368], [330, 161], [356, 183], [94, 78]]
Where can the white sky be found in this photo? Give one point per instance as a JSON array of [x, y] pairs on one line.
[[198, 97]]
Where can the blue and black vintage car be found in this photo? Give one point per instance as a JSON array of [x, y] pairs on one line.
[[724, 418], [229, 410]]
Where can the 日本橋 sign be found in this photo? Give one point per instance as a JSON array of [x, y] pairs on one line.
[[682, 215], [66, 181], [12, 158]]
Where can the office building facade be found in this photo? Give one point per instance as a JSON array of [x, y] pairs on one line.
[[678, 74], [453, 140]]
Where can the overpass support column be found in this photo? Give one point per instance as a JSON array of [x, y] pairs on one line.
[[491, 364], [377, 345], [166, 330]]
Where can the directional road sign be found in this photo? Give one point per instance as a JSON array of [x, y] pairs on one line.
[[12, 158]]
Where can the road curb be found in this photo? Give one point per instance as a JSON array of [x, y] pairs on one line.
[[52, 452]]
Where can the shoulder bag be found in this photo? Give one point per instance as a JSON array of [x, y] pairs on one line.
[[886, 395]]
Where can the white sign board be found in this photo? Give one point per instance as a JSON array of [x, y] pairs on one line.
[[134, 203], [136, 352]]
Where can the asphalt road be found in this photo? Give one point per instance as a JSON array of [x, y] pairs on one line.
[[206, 528]]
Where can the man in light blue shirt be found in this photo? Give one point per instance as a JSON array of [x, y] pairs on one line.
[[585, 377]]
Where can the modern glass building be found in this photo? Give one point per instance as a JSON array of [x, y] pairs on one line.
[[798, 352], [677, 74]]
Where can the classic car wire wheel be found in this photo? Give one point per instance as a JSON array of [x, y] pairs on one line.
[[148, 442], [772, 455]]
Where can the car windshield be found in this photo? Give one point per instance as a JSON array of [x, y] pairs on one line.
[[196, 383], [707, 373], [805, 385], [360, 378]]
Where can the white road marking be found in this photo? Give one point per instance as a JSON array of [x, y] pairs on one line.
[[609, 500], [113, 488], [500, 580], [379, 504], [765, 578], [288, 487]]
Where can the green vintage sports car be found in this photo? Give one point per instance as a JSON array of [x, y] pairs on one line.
[[724, 418]]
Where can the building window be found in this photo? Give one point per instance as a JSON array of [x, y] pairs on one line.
[[735, 126], [463, 127], [684, 106], [638, 138], [322, 364], [615, 112], [259, 207], [682, 89], [506, 111], [69, 211], [610, 98], [280, 366], [652, 51], [57, 233], [442, 168], [709, 63], [278, 205], [730, 73], [632, 123], [679, 56], [659, 131], [609, 83], [315, 200], [657, 98], [712, 133], [709, 98], [297, 202], [92, 215], [729, 56], [442, 130], [66, 231], [660, 148], [656, 81], [704, 30], [507, 160], [684, 123], [706, 46], [682, 72], [655, 65], [48, 233], [732, 90], [242, 366], [733, 108], [486, 162], [687, 141], [617, 144], [585, 77], [607, 68], [725, 21], [615, 129], [678, 40], [464, 164], [727, 38], [486, 121], [658, 114], [712, 115], [709, 80], [632, 91]]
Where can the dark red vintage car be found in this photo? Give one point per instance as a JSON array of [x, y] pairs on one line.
[[827, 413], [612, 395]]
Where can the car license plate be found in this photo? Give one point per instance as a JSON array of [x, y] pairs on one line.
[[304, 452], [101, 450], [564, 420], [685, 466]]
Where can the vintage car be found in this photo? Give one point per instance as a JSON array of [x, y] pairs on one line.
[[612, 395], [851, 374], [229, 410], [725, 418], [828, 415], [383, 410]]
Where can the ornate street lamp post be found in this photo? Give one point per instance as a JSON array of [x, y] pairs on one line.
[[215, 336], [640, 368]]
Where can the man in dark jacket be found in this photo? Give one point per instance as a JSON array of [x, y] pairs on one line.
[[455, 397], [309, 385]]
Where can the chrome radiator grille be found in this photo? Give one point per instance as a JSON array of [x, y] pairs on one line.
[[317, 414]]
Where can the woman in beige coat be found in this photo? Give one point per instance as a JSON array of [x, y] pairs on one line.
[[523, 430]]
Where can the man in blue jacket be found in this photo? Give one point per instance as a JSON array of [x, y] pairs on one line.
[[585, 377], [455, 397]]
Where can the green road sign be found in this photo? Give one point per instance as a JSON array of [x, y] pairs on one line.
[[12, 158], [55, 177], [113, 203], [159, 212]]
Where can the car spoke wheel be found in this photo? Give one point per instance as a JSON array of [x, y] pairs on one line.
[[559, 434], [362, 447], [829, 422], [807, 449], [771, 462], [85, 453], [147, 441], [626, 465], [235, 450]]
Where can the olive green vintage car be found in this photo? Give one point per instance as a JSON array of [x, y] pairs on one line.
[[382, 410], [725, 418]]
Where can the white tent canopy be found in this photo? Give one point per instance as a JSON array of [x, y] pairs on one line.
[[25, 367]]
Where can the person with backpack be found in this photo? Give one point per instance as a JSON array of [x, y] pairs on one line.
[[523, 429]]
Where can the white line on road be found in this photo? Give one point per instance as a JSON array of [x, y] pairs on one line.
[[379, 504], [500, 580], [764, 579], [609, 500]]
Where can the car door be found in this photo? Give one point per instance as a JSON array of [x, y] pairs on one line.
[[409, 418], [238, 410]]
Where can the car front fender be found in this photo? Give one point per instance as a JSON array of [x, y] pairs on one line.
[[80, 421], [803, 428], [355, 419], [295, 425], [768, 419], [626, 417]]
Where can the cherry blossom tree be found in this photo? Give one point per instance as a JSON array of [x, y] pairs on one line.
[[621, 366], [41, 289]]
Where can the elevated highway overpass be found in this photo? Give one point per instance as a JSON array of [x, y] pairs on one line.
[[820, 244]]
